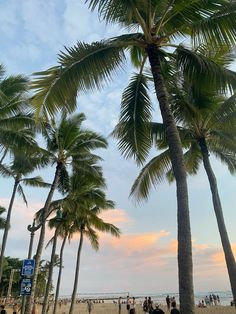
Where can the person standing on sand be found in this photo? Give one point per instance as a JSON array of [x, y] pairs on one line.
[[132, 306], [174, 309], [150, 305], [119, 305], [89, 306], [168, 302], [145, 305]]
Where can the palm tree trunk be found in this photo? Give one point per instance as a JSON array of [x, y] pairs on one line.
[[185, 265], [50, 272], [31, 298], [59, 275], [229, 256], [7, 226], [73, 297]]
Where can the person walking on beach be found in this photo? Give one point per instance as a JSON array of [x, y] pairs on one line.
[[89, 306], [168, 302], [150, 305], [145, 305], [174, 309], [128, 302], [132, 306], [119, 305]]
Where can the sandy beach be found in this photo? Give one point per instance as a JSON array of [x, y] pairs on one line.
[[113, 309]]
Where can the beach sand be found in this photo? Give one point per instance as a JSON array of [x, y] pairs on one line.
[[113, 309]]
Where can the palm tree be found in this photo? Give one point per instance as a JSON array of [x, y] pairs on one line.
[[67, 144], [20, 168], [87, 222], [159, 23], [207, 126], [16, 119], [81, 189]]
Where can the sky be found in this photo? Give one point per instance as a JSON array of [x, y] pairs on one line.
[[144, 259]]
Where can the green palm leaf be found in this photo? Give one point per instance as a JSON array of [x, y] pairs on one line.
[[218, 28], [133, 131], [35, 182], [151, 174], [204, 72], [22, 194], [57, 87]]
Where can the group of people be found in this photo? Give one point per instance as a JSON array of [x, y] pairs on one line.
[[15, 309], [211, 300], [148, 306]]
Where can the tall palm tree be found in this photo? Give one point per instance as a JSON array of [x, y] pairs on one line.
[[207, 127], [68, 143], [87, 223], [81, 189], [19, 169], [158, 24]]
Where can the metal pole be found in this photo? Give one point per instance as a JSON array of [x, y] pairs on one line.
[[31, 229], [30, 250]]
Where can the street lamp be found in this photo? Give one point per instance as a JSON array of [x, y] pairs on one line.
[[32, 229]]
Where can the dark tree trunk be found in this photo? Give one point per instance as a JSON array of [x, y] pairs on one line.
[[7, 226], [185, 266], [30, 300], [50, 272], [229, 256], [59, 275], [73, 297]]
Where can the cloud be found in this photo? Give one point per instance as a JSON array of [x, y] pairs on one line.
[[115, 216], [133, 243]]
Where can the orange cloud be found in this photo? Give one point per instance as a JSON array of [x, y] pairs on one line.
[[136, 242], [115, 216], [219, 257]]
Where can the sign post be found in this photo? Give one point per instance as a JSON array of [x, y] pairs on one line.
[[25, 286], [28, 267]]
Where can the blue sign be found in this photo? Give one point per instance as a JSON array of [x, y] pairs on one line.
[[26, 286], [28, 267]]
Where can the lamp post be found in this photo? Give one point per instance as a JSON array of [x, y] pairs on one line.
[[32, 228]]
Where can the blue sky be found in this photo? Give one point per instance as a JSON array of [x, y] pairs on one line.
[[144, 259]]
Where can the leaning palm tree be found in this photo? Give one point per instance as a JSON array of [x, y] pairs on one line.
[[87, 223], [68, 143], [81, 188], [158, 24], [207, 127], [19, 169]]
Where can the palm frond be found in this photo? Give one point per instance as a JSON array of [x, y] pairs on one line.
[[22, 194], [36, 182], [6, 171], [207, 73], [93, 237], [133, 131], [226, 157], [218, 28], [151, 174], [57, 87]]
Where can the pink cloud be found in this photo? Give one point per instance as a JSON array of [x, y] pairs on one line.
[[115, 216]]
